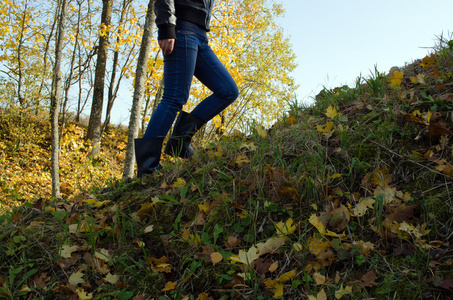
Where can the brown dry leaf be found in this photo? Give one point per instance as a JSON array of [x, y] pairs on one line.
[[402, 213], [338, 215], [160, 265], [200, 219], [40, 280], [369, 279], [98, 264], [439, 128], [365, 246], [262, 266], [232, 242], [206, 253]]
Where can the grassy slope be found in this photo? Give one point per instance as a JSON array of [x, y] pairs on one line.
[[350, 197]]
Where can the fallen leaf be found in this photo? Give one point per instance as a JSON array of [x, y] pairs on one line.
[[169, 286], [216, 257], [363, 206], [273, 267], [232, 242], [149, 229], [369, 279], [396, 78], [331, 112], [83, 295], [103, 254], [113, 279], [275, 286], [343, 291], [146, 209], [245, 257], [160, 265], [66, 250], [271, 245], [319, 278], [179, 183], [76, 278]]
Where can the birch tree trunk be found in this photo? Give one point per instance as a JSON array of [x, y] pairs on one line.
[[94, 125], [55, 102], [140, 79]]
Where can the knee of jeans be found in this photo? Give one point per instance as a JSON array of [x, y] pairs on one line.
[[228, 92], [171, 103]]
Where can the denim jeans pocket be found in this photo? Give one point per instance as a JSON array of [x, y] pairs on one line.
[[185, 32]]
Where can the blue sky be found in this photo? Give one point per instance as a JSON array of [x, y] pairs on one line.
[[336, 41]]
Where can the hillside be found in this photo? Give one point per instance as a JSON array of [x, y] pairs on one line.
[[349, 198]]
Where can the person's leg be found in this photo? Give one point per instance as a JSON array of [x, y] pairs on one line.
[[213, 74], [179, 68]]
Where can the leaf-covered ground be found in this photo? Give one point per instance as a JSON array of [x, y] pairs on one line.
[[349, 198]]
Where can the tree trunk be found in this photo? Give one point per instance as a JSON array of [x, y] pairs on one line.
[[55, 102], [140, 79], [112, 90], [94, 125]]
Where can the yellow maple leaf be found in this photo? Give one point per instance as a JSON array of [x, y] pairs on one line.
[[83, 295], [418, 79], [146, 209], [261, 131], [113, 279], [317, 246], [190, 238], [331, 112], [245, 257], [285, 229], [396, 78], [76, 278], [275, 286], [179, 183], [343, 291], [241, 160], [66, 250], [326, 128], [362, 207]]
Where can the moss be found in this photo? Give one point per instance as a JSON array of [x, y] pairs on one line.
[[440, 205]]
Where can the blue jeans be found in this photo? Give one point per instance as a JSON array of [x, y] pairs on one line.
[[191, 56]]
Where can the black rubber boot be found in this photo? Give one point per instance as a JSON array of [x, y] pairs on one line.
[[185, 127], [147, 154]]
